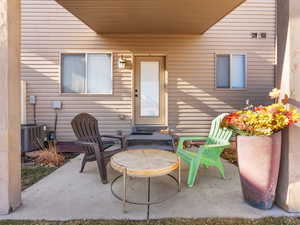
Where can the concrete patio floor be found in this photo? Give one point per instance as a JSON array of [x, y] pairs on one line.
[[66, 194]]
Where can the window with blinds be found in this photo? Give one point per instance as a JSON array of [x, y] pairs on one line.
[[231, 71], [87, 73]]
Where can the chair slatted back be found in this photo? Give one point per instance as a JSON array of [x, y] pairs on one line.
[[85, 127], [218, 135]]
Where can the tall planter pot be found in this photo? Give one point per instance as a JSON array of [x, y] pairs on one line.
[[259, 160]]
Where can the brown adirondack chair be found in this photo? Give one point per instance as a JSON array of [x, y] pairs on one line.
[[97, 147]]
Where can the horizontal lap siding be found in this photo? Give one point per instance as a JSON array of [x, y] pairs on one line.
[[48, 29]]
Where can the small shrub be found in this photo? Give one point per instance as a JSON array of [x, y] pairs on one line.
[[49, 156]]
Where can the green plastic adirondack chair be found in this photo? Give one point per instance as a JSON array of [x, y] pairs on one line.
[[209, 153]]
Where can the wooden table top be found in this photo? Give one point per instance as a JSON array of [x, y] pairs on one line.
[[145, 162]]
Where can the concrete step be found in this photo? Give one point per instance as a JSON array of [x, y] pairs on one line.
[[161, 141], [154, 139], [147, 129]]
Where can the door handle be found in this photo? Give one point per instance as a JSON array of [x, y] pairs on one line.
[[136, 95]]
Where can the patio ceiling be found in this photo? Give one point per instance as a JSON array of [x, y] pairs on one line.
[[150, 16]]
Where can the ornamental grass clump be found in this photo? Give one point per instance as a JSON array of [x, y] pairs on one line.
[[262, 120], [49, 156]]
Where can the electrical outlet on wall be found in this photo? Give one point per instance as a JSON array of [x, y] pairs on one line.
[[56, 105], [32, 100]]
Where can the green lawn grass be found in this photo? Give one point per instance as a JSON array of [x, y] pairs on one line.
[[264, 221], [32, 174]]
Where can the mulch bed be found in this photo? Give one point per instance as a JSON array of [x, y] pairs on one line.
[[230, 155]]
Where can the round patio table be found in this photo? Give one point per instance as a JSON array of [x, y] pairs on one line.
[[144, 163]]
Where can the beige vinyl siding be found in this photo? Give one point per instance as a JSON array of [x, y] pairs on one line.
[[48, 29]]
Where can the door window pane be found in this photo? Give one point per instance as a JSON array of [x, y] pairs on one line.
[[223, 71], [73, 73], [149, 81], [238, 71], [99, 79]]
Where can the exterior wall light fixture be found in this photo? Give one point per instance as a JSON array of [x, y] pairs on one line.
[[122, 62]]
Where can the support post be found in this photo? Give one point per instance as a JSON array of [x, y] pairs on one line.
[[10, 87], [288, 80]]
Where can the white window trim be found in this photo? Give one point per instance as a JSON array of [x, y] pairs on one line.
[[230, 66], [86, 71]]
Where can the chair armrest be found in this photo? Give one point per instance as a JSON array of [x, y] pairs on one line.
[[89, 144], [86, 143], [112, 136], [192, 138], [212, 150], [217, 145], [181, 140], [121, 138]]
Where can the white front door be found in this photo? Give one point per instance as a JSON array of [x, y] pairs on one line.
[[149, 90]]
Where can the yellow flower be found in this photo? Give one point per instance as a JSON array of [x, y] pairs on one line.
[[275, 93], [263, 120]]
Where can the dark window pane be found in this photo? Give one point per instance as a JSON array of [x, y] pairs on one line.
[[223, 71]]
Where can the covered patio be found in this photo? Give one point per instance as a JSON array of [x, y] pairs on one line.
[[67, 194]]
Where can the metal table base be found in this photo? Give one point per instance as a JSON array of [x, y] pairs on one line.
[[149, 202]]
